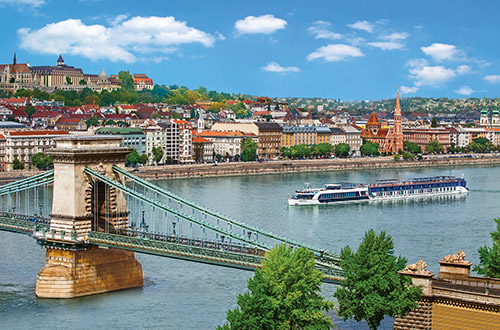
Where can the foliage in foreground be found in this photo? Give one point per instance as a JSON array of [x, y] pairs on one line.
[[489, 257], [284, 294], [372, 287]]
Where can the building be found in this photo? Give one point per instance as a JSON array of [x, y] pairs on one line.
[[373, 131], [422, 136], [268, 136], [353, 138], [15, 76], [24, 144], [337, 136], [394, 138], [185, 130], [133, 137], [142, 81], [226, 144], [309, 135], [71, 124], [203, 150]]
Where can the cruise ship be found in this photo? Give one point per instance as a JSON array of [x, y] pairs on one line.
[[380, 190]]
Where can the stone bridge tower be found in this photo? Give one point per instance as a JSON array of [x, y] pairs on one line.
[[80, 205]]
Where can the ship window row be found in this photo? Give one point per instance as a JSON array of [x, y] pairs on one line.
[[418, 186], [339, 195]]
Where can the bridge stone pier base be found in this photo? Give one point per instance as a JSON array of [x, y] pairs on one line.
[[80, 205]]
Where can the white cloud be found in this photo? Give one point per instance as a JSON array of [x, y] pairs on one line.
[[431, 75], [275, 67], [386, 45], [492, 78], [395, 36], [118, 42], [409, 90], [442, 52], [320, 31], [464, 69], [118, 19], [362, 25], [335, 53], [33, 3], [220, 36], [265, 24], [465, 90]]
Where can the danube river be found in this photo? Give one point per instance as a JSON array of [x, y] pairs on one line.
[[185, 295]]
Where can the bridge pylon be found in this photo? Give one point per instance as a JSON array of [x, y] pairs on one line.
[[80, 205]]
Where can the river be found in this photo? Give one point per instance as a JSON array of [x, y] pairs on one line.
[[186, 295]]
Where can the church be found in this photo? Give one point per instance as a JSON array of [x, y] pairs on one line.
[[389, 139]]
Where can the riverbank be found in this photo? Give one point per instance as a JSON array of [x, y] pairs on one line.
[[294, 166], [284, 166]]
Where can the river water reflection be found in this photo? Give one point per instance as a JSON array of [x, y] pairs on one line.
[[185, 295]]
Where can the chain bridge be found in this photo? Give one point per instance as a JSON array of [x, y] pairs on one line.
[[92, 215]]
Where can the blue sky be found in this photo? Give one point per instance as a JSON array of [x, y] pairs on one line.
[[352, 50]]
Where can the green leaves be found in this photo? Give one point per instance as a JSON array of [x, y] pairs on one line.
[[41, 161], [489, 257], [282, 295], [372, 287], [248, 150]]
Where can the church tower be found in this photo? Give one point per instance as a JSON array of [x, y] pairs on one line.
[[495, 118], [60, 61], [14, 62], [484, 119], [398, 130]]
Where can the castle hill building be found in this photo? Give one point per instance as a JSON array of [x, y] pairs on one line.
[[17, 76], [226, 144], [142, 81]]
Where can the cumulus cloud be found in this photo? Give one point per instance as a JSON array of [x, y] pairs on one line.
[[424, 74], [464, 69], [335, 53], [32, 3], [442, 52], [320, 30], [395, 36], [492, 78], [465, 90], [265, 24], [386, 45], [362, 25], [409, 90], [275, 67], [118, 42]]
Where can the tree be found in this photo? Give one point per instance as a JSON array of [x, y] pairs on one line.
[[132, 158], [323, 149], [434, 147], [17, 164], [372, 287], [30, 110], [408, 156], [369, 148], [284, 294], [489, 257], [93, 121], [434, 122], [82, 82], [248, 150], [342, 150], [41, 161], [126, 80], [143, 159], [68, 81], [157, 154]]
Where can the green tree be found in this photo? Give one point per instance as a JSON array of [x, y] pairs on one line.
[[143, 159], [284, 294], [342, 150], [93, 121], [408, 156], [126, 80], [372, 287], [489, 257], [369, 148], [248, 150], [30, 110], [157, 154], [302, 151], [434, 122], [323, 149], [41, 161], [68, 81], [17, 164], [434, 147], [132, 158], [82, 82]]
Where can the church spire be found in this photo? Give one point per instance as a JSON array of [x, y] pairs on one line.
[[15, 59], [398, 107]]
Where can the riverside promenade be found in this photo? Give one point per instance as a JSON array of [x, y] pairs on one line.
[[295, 166]]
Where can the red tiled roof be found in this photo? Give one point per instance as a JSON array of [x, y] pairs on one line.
[[218, 133], [27, 133], [126, 106], [68, 121], [18, 100], [373, 120], [45, 114], [262, 113], [198, 139]]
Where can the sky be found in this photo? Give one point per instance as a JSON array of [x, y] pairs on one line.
[[348, 50]]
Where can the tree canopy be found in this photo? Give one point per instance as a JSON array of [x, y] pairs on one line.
[[342, 150], [434, 147], [489, 257], [372, 287], [17, 164], [157, 154], [369, 148], [41, 161], [248, 150], [284, 294]]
